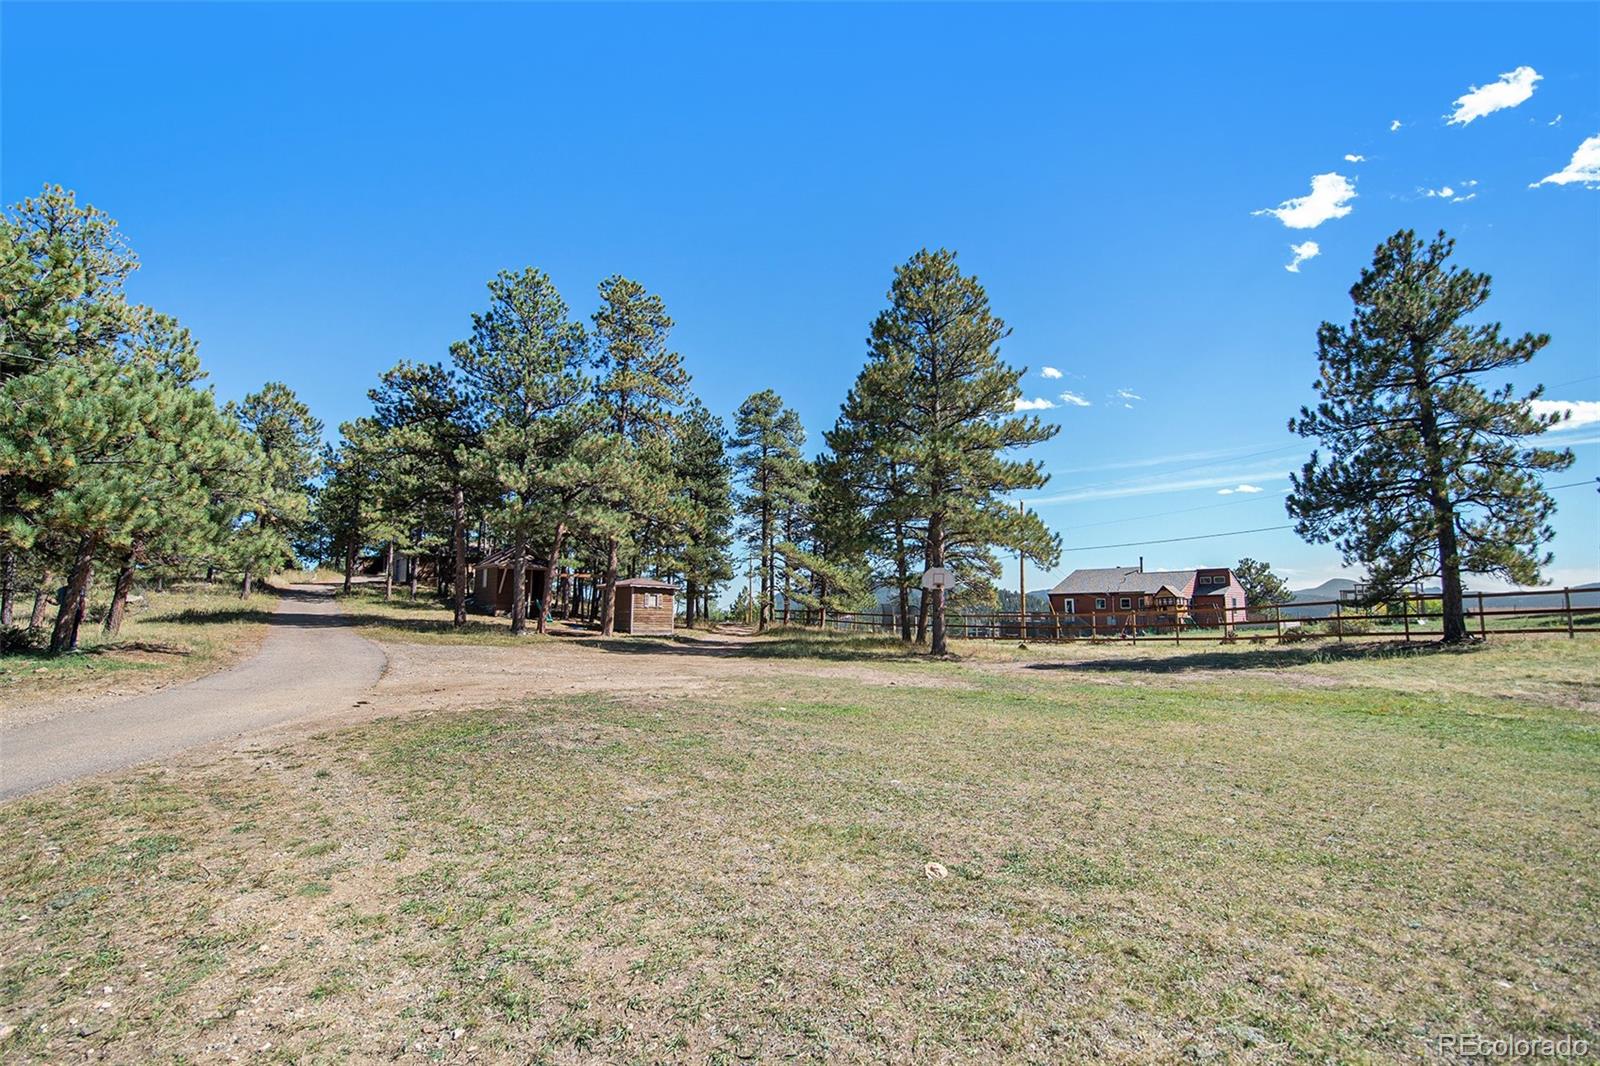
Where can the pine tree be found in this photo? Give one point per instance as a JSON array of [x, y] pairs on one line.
[[279, 504], [936, 374], [641, 384], [425, 411], [703, 477], [523, 366], [62, 268], [768, 444], [1427, 474], [871, 456], [827, 548], [1262, 587]]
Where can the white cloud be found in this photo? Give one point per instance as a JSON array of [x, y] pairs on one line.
[[1584, 168], [1510, 90], [1038, 403], [1454, 195], [1302, 252], [1075, 400], [1128, 394], [1160, 486], [1330, 198], [1049, 372], [1394, 125], [1246, 488], [1583, 412], [1352, 158], [1555, 121]]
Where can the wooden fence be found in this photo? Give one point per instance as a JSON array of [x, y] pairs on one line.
[[1560, 612]]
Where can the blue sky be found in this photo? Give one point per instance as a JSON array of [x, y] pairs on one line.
[[319, 191]]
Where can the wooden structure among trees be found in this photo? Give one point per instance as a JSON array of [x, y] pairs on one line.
[[495, 577], [644, 606]]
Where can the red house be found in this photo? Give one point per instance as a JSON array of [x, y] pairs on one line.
[[1113, 600]]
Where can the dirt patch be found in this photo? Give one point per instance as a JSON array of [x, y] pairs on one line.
[[439, 676]]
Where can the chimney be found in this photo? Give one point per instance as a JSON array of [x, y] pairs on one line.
[[1141, 564]]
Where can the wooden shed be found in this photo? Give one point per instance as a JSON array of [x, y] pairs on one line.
[[644, 606], [494, 576]]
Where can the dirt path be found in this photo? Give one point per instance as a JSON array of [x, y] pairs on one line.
[[310, 665]]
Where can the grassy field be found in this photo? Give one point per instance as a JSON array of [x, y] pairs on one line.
[[1257, 859], [184, 632]]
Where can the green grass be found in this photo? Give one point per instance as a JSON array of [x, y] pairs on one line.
[[1312, 857], [189, 630]]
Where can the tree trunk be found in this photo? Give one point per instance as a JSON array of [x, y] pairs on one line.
[[1452, 609], [458, 541], [594, 600], [902, 573], [8, 580], [549, 571], [41, 600], [935, 559], [246, 586], [119, 597], [388, 572], [691, 593], [349, 564], [608, 606], [519, 592], [70, 613], [411, 573]]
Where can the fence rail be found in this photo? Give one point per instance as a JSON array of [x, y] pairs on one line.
[[1563, 612]]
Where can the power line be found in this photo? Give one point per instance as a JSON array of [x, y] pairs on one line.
[[1263, 498], [1242, 532], [1174, 540]]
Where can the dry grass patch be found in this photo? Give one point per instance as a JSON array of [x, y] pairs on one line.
[[182, 633], [1250, 870]]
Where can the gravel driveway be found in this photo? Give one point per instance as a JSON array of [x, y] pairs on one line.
[[310, 665]]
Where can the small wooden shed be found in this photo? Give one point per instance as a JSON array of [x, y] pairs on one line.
[[644, 606], [494, 576]]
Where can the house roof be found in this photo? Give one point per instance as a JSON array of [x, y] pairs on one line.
[[1126, 579], [645, 583], [508, 557], [1130, 580]]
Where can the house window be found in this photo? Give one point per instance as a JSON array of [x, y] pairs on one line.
[[652, 599], [1100, 603], [1067, 608], [1125, 603]]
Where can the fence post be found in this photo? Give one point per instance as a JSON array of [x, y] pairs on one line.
[[1135, 617], [1405, 614], [1566, 596], [1338, 620], [1277, 620], [1483, 628]]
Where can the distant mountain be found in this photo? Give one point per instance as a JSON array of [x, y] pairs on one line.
[[1549, 600]]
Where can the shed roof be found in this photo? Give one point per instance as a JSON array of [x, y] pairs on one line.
[[508, 557], [645, 583]]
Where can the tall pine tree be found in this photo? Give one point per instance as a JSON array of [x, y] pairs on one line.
[[1427, 473], [936, 375]]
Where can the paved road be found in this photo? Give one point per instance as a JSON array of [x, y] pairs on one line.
[[311, 664]]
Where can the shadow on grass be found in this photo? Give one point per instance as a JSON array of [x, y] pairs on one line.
[[809, 644], [41, 653], [1275, 658]]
